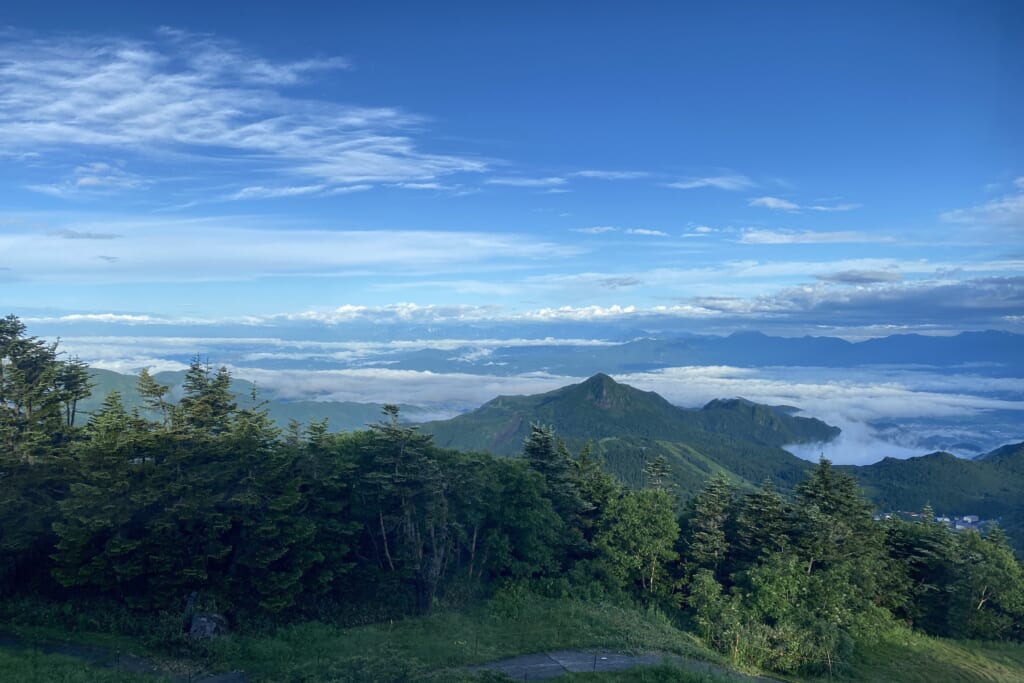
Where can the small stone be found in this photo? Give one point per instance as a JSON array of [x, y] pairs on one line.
[[206, 625]]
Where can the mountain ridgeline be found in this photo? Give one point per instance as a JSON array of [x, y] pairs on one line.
[[745, 441], [630, 428], [992, 352]]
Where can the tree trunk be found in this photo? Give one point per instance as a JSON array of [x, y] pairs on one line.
[[384, 535]]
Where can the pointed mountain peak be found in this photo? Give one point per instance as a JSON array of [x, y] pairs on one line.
[[605, 392], [600, 380]]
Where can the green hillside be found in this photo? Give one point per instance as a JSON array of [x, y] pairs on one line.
[[992, 487], [342, 416], [989, 487], [630, 427]]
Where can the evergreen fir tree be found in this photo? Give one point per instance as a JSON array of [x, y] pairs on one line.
[[100, 533], [762, 525], [658, 474], [548, 456], [706, 541]]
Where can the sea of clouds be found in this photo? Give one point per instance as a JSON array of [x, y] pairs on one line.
[[883, 411]]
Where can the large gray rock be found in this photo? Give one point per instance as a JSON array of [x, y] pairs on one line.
[[206, 625]]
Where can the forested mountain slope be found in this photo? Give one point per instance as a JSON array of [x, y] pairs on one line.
[[630, 427], [992, 487]]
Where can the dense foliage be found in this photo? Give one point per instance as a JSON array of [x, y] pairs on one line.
[[205, 502]]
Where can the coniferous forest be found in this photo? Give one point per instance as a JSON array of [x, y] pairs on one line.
[[202, 503]]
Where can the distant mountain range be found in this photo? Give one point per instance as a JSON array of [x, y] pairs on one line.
[[990, 352]]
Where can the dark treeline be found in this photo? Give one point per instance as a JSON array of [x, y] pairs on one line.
[[206, 500]]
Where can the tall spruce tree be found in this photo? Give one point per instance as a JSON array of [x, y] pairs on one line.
[[595, 487], [548, 456], [31, 407], [194, 478], [412, 530], [762, 525], [101, 532], [154, 397], [327, 473], [271, 539], [33, 436], [73, 384], [706, 541], [658, 474], [925, 555], [833, 520]]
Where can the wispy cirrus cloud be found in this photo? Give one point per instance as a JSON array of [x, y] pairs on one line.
[[861, 277], [165, 251], [92, 179], [779, 204], [619, 282], [84, 235], [260, 192], [1005, 212], [850, 206], [522, 181], [182, 94], [699, 231], [596, 229], [604, 229], [756, 236], [721, 182], [774, 203], [612, 175]]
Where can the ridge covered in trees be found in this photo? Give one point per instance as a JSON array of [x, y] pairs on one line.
[[205, 501]]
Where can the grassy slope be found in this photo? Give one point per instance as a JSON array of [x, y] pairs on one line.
[[905, 657], [433, 647], [446, 640], [29, 666]]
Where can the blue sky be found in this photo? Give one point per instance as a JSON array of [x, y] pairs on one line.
[[822, 168]]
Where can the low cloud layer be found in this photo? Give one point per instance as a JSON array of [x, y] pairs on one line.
[[918, 404]]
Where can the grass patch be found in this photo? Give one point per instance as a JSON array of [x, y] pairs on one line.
[[29, 666], [645, 674], [95, 623], [651, 674], [908, 657], [435, 647], [409, 648]]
